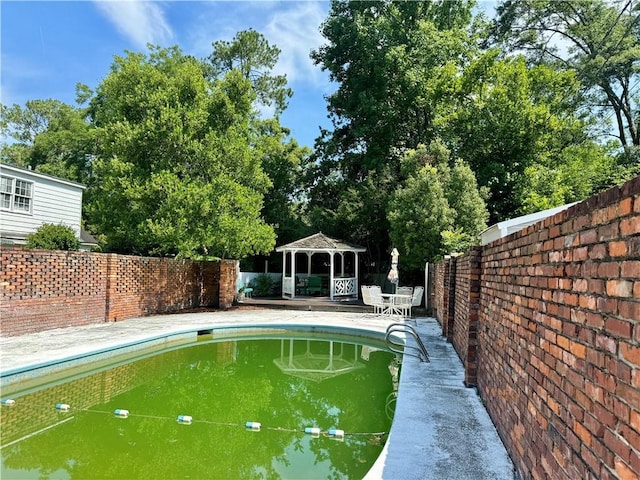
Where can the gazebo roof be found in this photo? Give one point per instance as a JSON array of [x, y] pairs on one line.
[[319, 242]]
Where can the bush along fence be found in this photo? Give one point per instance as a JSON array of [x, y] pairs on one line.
[[547, 324], [43, 289]]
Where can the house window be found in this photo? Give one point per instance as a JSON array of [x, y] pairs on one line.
[[15, 194]]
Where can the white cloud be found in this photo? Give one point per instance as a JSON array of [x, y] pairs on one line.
[[296, 31], [141, 22], [292, 26]]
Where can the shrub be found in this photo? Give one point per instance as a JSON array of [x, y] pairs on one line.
[[262, 285], [53, 237]]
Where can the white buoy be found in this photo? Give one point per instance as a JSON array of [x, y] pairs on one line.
[[63, 407], [336, 433], [184, 419], [121, 413], [253, 425], [9, 402], [312, 430]]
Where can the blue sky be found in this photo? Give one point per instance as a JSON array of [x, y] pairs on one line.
[[47, 47]]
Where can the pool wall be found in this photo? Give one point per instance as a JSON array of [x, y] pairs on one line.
[[23, 377]]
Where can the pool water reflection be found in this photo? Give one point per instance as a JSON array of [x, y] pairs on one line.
[[285, 384]]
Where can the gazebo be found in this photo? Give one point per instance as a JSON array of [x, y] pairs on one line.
[[320, 265]]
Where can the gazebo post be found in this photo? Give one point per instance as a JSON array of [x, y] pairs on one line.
[[284, 270], [357, 280], [293, 273], [331, 267]]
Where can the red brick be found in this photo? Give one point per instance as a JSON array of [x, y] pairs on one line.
[[588, 236], [606, 343], [630, 353], [583, 434], [623, 471], [609, 270], [630, 268], [619, 288], [630, 226], [618, 249]]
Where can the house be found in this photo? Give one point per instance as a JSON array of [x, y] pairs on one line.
[[29, 199]]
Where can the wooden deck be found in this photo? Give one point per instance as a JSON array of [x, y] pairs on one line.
[[317, 304]]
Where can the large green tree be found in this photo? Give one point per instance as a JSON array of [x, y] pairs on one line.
[[251, 56], [390, 60], [512, 122], [176, 173], [50, 137], [250, 53], [599, 40], [436, 204]]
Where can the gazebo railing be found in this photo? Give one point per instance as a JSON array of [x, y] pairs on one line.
[[345, 286]]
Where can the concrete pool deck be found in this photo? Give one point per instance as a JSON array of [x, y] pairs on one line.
[[440, 429]]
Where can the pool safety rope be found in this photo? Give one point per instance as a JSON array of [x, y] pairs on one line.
[[188, 420]]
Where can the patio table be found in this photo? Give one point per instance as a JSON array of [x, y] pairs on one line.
[[397, 303]]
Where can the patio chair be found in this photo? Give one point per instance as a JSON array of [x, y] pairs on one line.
[[380, 305], [404, 291], [418, 292], [366, 298], [314, 285], [245, 292]]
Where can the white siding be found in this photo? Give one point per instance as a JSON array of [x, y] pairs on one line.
[[55, 201]]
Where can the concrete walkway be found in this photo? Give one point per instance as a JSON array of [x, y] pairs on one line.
[[440, 429]]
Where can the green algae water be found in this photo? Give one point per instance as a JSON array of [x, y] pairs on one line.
[[285, 384]]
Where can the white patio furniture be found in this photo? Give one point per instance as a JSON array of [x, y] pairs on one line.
[[418, 292], [404, 291], [381, 305]]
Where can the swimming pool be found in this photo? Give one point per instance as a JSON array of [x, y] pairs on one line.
[[330, 382]]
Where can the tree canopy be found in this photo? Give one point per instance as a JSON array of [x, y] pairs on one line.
[[49, 137], [441, 121], [598, 40], [176, 174], [414, 73]]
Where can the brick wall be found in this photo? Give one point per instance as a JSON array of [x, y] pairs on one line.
[[41, 289], [444, 283], [465, 312], [558, 339]]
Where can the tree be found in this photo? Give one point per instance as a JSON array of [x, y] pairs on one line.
[[252, 55], [510, 120], [389, 59], [50, 137], [437, 208], [285, 163], [175, 173], [392, 61], [597, 39]]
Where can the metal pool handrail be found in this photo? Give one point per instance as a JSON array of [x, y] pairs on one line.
[[422, 353]]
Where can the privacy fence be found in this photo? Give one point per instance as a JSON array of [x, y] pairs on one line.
[[547, 324], [42, 289]]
